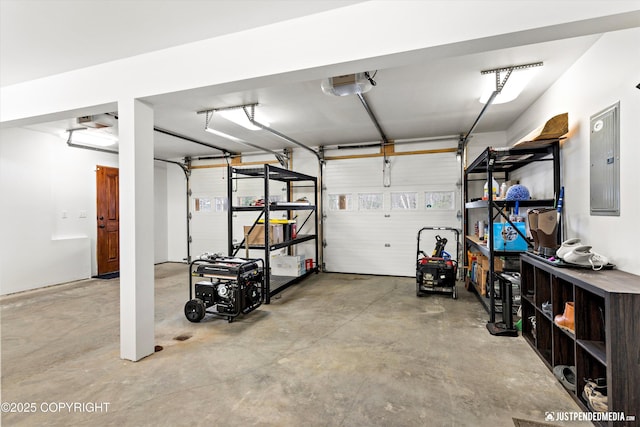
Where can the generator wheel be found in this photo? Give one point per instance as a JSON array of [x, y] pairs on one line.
[[194, 310]]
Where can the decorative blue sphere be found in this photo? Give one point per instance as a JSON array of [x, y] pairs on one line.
[[517, 192]]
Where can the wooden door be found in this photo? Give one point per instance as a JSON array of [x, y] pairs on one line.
[[108, 219]]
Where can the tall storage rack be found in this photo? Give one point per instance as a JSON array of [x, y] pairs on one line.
[[503, 160], [274, 284]]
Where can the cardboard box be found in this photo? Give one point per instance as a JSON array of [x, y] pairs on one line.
[[276, 234], [481, 279], [506, 238], [286, 265], [472, 257], [498, 263], [483, 261]]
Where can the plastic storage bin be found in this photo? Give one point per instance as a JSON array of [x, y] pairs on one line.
[[506, 238]]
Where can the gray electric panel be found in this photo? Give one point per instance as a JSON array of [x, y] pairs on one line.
[[605, 162]]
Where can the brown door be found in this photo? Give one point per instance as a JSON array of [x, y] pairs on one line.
[[108, 217]]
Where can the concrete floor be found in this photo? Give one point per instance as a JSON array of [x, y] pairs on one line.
[[335, 350]]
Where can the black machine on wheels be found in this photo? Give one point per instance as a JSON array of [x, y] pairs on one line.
[[233, 286], [437, 273]]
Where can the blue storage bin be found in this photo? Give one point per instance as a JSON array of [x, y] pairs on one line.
[[506, 238]]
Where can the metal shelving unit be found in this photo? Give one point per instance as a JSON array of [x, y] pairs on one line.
[[274, 284], [503, 160]]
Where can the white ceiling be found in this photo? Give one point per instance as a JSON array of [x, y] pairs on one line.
[[412, 100], [43, 37]]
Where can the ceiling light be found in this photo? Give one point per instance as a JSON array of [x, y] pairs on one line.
[[93, 137], [516, 84], [349, 84], [515, 80], [207, 127], [223, 135], [239, 117]]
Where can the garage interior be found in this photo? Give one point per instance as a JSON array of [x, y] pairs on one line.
[[369, 136], [336, 349]]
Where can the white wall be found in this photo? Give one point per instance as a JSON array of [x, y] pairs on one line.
[[47, 218], [605, 74], [480, 141]]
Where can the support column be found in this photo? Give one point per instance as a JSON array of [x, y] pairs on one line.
[[135, 121]]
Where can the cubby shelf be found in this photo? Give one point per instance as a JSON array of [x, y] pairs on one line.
[[606, 341]]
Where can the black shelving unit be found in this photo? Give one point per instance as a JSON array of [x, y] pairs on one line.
[[504, 161], [274, 284]]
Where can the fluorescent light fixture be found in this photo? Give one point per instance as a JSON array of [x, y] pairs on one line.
[[517, 81], [281, 158], [239, 117], [223, 135], [93, 137]]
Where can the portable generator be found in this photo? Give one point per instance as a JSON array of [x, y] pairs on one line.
[[436, 273], [232, 286]]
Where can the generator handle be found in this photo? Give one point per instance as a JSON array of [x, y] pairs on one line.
[[454, 230]]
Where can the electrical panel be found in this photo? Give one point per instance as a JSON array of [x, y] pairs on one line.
[[604, 176]]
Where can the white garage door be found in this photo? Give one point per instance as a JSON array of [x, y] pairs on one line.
[[372, 229], [208, 225], [209, 209]]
